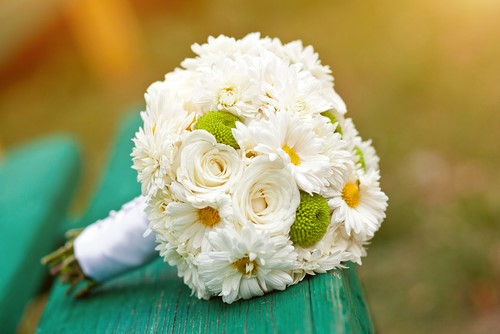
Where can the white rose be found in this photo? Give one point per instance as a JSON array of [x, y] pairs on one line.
[[205, 166], [267, 196]]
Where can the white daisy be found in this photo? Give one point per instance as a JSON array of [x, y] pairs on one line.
[[191, 222], [366, 157], [362, 153], [291, 139], [360, 205], [266, 197], [246, 137], [245, 264], [348, 131], [340, 158]]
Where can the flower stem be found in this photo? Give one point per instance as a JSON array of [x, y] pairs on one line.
[[62, 262]]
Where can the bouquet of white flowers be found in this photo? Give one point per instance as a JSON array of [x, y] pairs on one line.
[[252, 177]]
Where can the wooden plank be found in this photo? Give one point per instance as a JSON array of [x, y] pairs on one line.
[[339, 296], [36, 183], [154, 300]]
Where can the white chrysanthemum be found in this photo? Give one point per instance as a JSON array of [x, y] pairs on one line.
[[290, 89], [181, 86], [246, 263], [266, 197], [229, 85], [164, 101], [309, 60], [211, 52], [291, 139], [153, 154], [227, 47], [176, 254], [205, 167], [157, 141], [325, 255], [254, 44], [191, 222], [156, 209], [360, 205]]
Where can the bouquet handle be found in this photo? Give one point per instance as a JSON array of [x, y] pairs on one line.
[[106, 248]]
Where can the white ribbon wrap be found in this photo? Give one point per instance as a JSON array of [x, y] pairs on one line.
[[116, 244]]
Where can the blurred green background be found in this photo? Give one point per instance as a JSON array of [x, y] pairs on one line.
[[421, 78]]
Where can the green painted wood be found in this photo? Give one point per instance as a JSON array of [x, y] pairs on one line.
[[36, 181], [154, 300]]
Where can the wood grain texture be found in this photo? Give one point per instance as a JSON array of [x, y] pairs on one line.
[[154, 300]]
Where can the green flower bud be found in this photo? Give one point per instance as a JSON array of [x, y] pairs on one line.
[[219, 124], [311, 220]]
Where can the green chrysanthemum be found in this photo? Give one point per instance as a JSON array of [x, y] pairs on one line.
[[332, 119], [311, 220], [219, 124], [361, 159]]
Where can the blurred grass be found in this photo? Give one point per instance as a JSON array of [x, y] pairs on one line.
[[419, 77]]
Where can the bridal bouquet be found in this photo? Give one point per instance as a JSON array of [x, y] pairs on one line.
[[252, 177]]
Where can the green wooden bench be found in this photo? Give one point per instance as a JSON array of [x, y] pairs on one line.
[[154, 300], [36, 183]]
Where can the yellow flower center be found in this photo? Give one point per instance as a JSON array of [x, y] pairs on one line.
[[245, 266], [251, 154], [350, 194], [294, 157], [209, 216]]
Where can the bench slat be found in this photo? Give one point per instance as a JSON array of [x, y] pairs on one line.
[[154, 300], [36, 183]]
